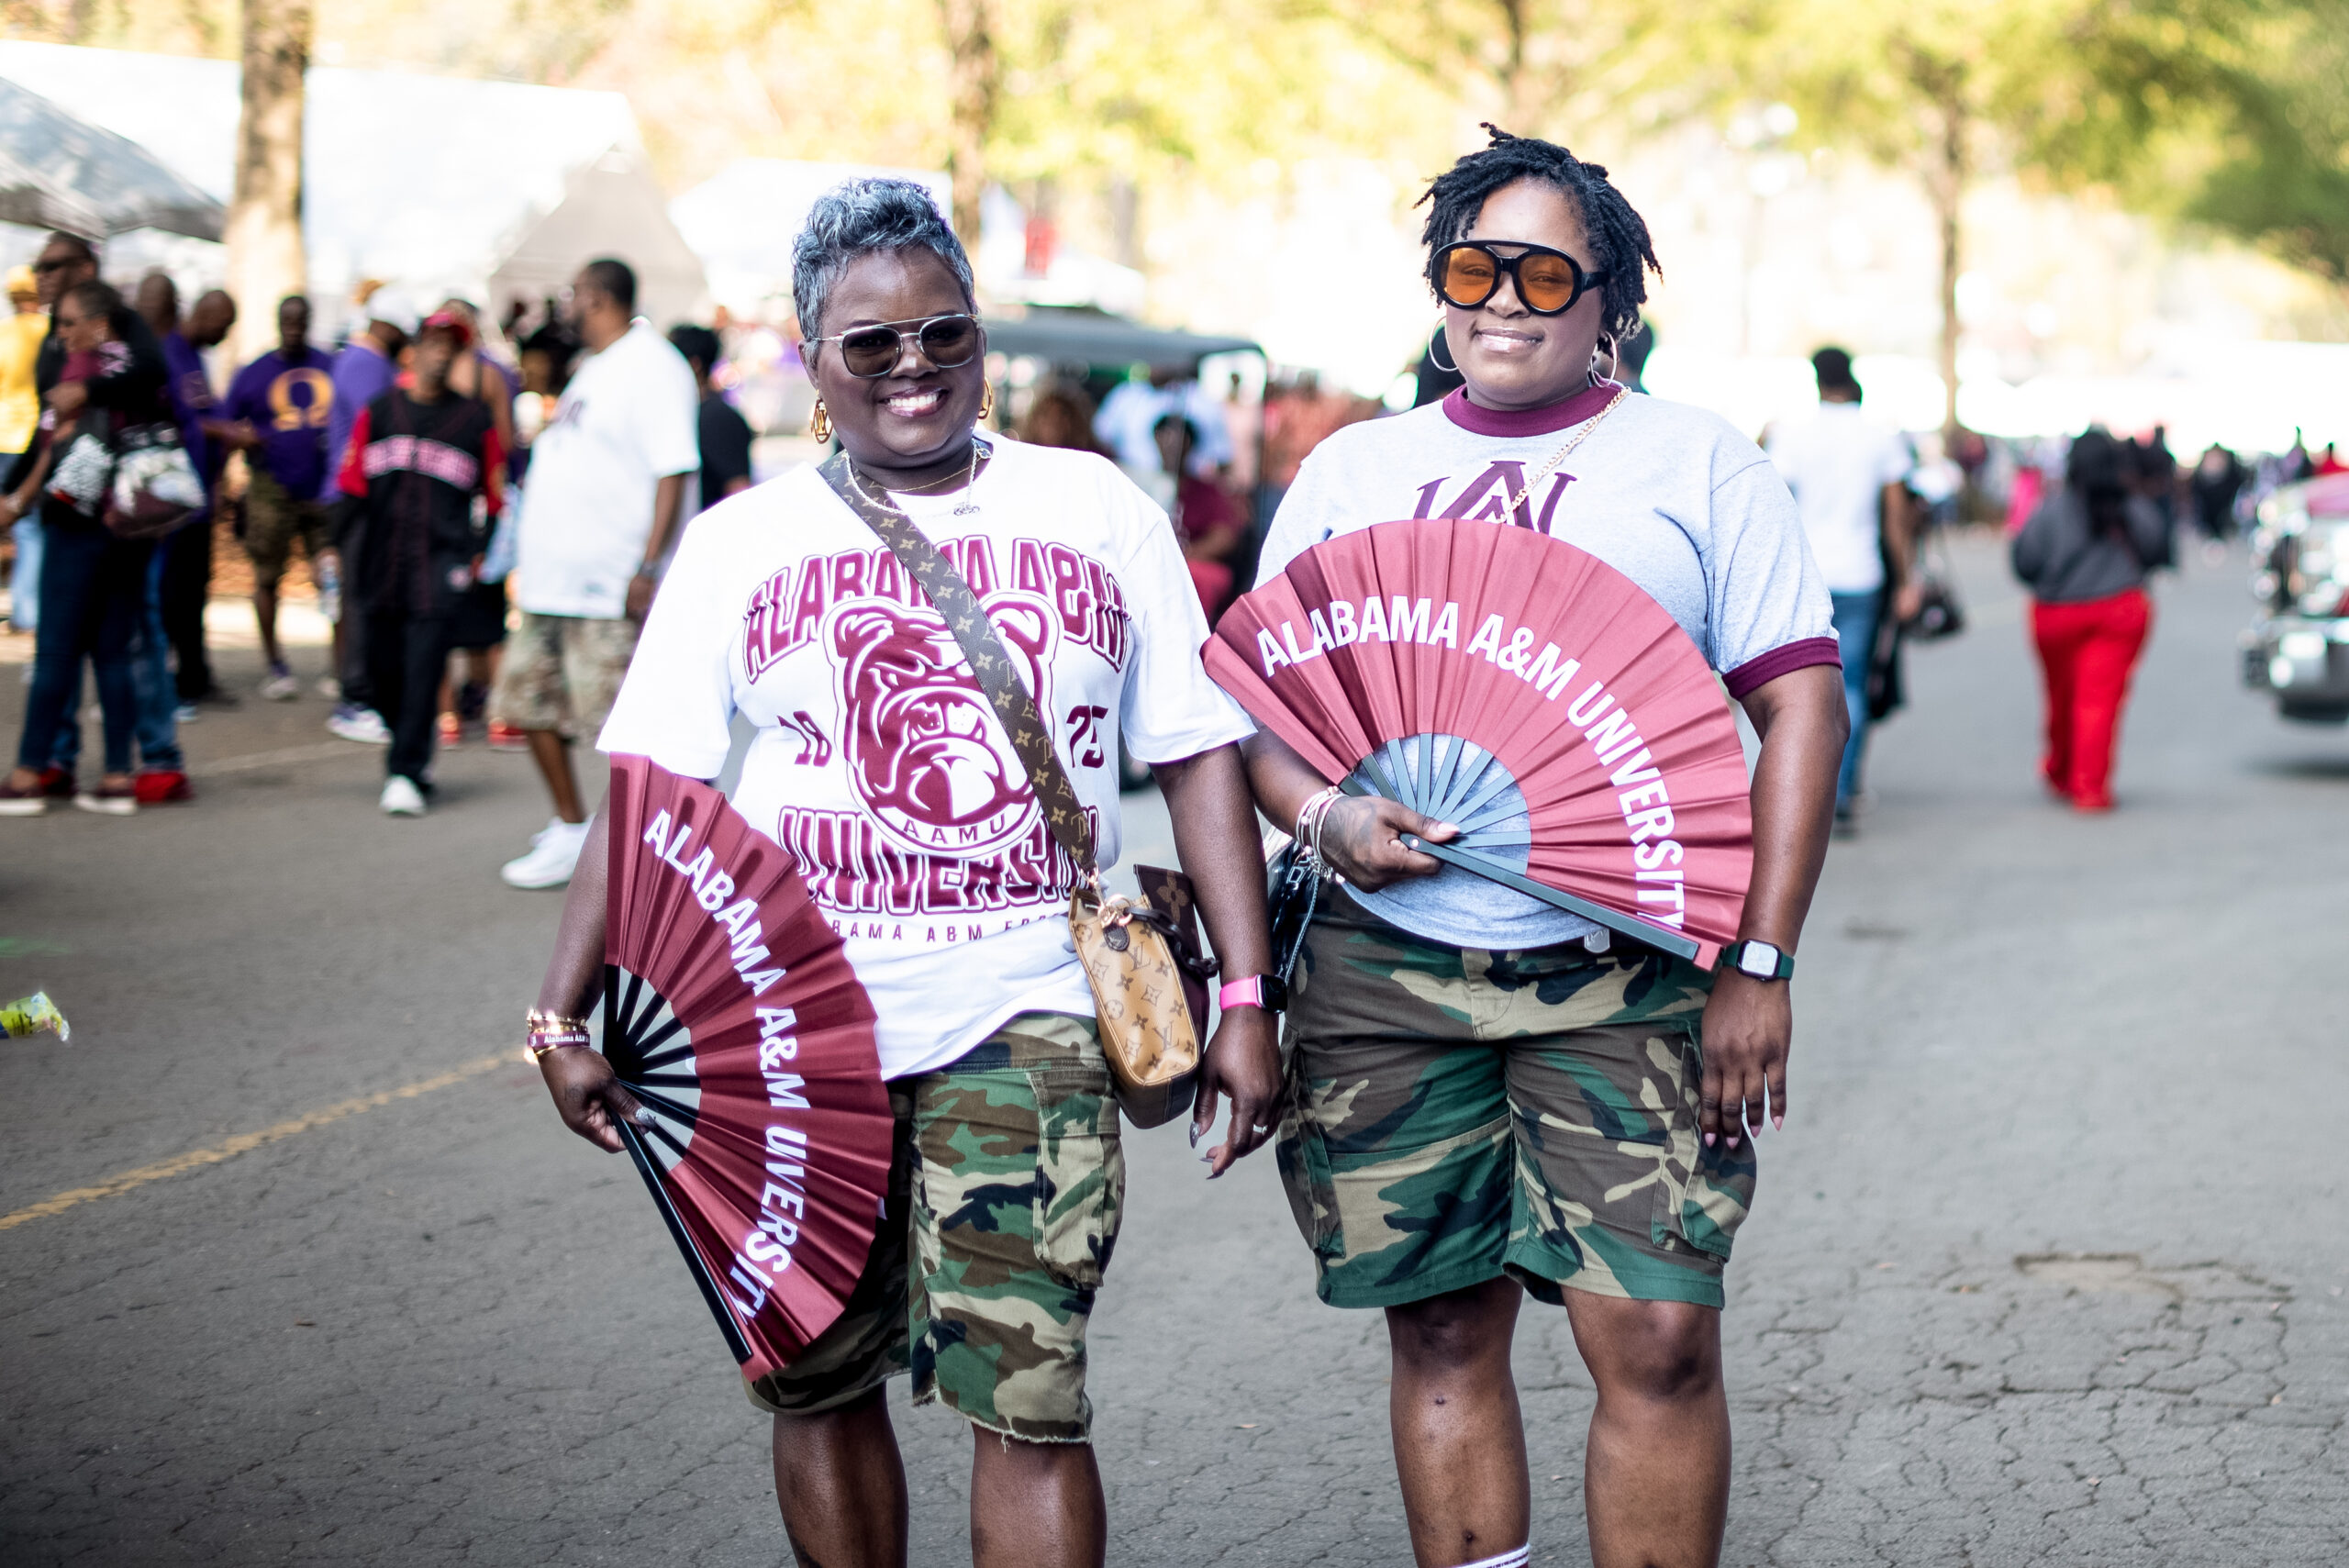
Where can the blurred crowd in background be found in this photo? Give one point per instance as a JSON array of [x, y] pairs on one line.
[[1216, 446]]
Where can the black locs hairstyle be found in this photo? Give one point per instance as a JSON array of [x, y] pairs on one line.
[[1618, 236]]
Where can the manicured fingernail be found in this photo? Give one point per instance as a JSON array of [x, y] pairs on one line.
[[1709, 1140], [1779, 1122], [1445, 828], [1195, 1135], [1732, 1140]]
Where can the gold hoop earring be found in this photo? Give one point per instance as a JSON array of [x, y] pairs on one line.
[[986, 402], [819, 423], [1614, 359], [1434, 340]]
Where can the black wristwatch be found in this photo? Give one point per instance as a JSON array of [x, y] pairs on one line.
[[1758, 961]]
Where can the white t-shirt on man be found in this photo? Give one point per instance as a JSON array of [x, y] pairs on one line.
[[878, 762], [1670, 496], [1837, 464], [626, 422]]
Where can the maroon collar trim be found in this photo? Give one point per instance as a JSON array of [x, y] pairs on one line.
[[1540, 421]]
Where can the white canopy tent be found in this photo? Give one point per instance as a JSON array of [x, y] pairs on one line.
[[444, 184]]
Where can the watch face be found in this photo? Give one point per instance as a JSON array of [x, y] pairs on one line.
[[1758, 959]]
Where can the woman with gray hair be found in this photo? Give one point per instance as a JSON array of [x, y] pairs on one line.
[[879, 764]]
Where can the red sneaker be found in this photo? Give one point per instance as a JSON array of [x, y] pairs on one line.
[[162, 786], [507, 738], [56, 783], [452, 731]]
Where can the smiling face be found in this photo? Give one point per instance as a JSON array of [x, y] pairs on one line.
[[914, 423], [1509, 357]]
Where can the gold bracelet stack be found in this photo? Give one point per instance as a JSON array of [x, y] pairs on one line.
[[551, 1031]]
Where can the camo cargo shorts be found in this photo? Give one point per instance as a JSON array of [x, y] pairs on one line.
[[1455, 1114], [1004, 1203]]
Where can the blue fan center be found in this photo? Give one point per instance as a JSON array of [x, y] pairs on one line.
[[1453, 780]]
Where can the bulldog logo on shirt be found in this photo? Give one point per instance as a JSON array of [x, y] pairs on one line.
[[924, 751]]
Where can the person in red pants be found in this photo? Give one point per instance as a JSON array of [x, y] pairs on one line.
[[2084, 554]]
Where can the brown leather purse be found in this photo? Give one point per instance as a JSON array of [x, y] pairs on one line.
[[1148, 970]]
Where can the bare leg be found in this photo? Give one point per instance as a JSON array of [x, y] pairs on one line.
[[547, 748], [841, 1486], [1655, 1476], [1459, 1441], [1036, 1504], [265, 612]]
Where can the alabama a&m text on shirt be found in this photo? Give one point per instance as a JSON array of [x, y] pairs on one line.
[[1672, 497], [877, 760]]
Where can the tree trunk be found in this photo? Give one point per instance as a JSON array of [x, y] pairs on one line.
[[977, 80], [1516, 77], [264, 232], [1948, 185]]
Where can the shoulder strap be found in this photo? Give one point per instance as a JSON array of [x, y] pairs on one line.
[[1031, 738]]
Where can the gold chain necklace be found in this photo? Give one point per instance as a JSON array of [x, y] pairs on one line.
[[1560, 454], [969, 480]]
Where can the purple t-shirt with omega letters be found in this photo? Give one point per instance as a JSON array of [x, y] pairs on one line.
[[289, 402]]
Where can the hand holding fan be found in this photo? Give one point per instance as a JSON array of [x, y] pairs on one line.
[[1527, 692], [730, 1010]]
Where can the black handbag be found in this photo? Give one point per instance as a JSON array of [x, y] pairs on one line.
[[1939, 615]]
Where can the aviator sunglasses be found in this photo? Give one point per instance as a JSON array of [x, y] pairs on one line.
[[870, 352], [1467, 274]]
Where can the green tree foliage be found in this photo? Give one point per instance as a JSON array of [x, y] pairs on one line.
[[2127, 93], [2258, 145]]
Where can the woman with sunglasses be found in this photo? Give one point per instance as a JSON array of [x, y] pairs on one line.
[[1487, 1097], [879, 764]]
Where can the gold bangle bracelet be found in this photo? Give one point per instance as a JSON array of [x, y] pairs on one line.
[[536, 1019]]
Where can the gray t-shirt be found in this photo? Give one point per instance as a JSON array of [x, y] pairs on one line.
[[1672, 497]]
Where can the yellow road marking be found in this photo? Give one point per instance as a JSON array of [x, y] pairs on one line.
[[244, 1143]]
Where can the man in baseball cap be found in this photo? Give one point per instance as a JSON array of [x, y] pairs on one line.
[[363, 371]]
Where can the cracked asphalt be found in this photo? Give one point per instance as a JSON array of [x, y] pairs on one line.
[[2047, 1267]]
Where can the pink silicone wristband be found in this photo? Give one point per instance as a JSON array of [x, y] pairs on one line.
[[1248, 993]]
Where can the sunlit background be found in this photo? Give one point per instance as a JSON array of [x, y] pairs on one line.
[[2144, 197]]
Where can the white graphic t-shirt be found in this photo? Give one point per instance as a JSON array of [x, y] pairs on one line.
[[878, 762], [626, 422], [1837, 464], [1670, 496]]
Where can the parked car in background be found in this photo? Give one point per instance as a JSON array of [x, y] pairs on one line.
[[2296, 647]]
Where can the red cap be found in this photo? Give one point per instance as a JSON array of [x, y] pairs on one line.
[[448, 321]]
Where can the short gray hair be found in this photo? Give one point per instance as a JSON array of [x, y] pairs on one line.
[[856, 218]]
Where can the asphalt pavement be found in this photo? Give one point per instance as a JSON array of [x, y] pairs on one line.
[[298, 1266]]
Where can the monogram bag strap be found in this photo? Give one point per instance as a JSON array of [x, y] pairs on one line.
[[1032, 740]]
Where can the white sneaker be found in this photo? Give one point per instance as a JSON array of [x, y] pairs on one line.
[[281, 688], [554, 853], [401, 797], [187, 713], [364, 725]]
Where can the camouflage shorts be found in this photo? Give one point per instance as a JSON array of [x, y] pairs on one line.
[[1455, 1114], [561, 673], [1003, 1206]]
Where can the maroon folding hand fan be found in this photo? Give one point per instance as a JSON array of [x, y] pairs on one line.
[[730, 1010], [1525, 692]]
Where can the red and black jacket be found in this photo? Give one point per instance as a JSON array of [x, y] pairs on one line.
[[414, 469]]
